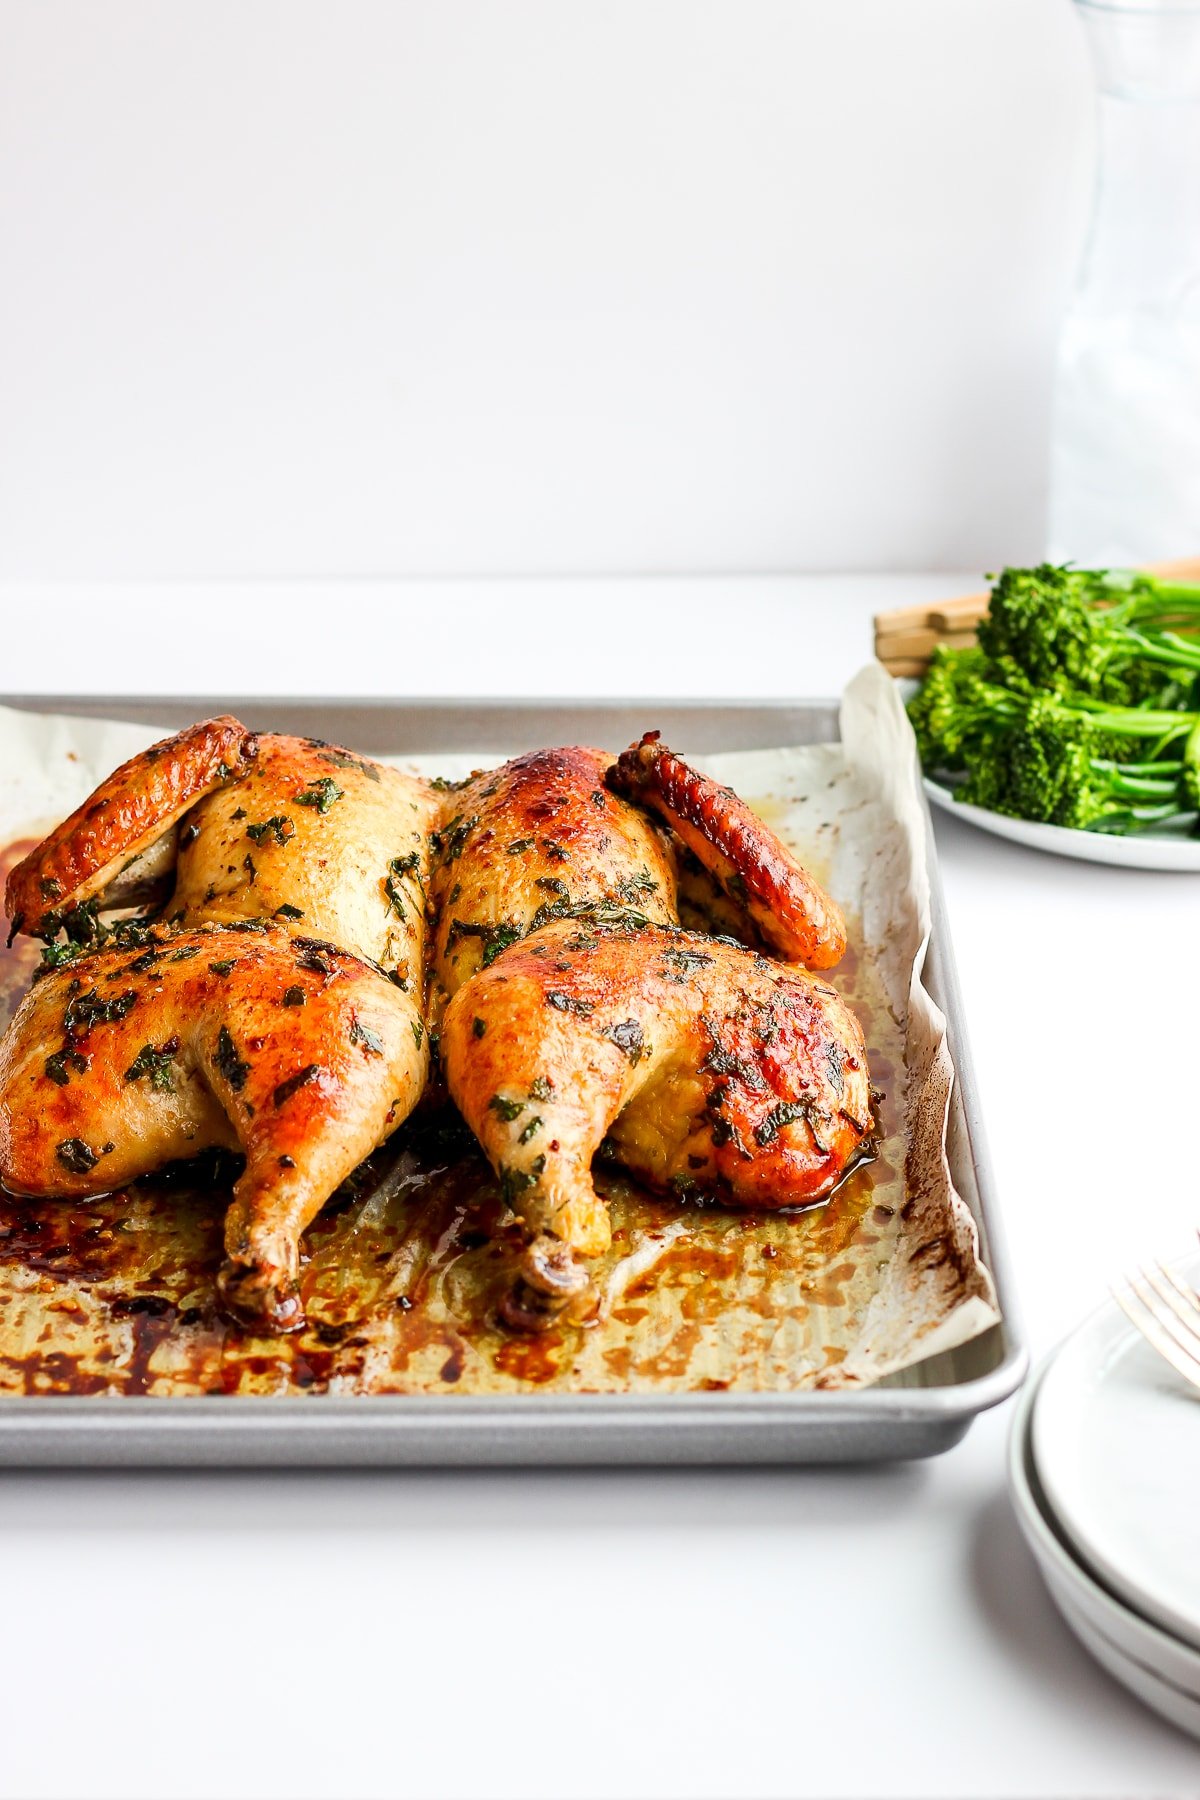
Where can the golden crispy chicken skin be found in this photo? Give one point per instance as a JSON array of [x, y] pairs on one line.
[[705, 1069], [538, 839], [329, 844], [791, 912], [136, 805], [283, 1047]]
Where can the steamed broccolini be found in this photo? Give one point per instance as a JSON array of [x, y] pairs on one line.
[[1057, 766], [1079, 707], [1088, 631]]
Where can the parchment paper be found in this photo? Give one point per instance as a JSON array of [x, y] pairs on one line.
[[885, 1275]]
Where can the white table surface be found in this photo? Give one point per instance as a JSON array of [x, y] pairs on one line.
[[870, 1632]]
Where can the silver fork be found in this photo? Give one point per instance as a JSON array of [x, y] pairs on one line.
[[1167, 1313]]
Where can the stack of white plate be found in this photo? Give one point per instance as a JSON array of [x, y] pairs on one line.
[[1104, 1465]]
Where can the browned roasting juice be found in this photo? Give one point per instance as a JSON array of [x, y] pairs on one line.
[[404, 1269]]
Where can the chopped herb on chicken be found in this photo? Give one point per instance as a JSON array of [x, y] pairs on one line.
[[319, 794]]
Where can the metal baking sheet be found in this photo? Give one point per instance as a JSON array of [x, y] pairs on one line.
[[920, 1412]]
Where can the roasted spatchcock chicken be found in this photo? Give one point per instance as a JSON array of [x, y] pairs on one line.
[[313, 922]]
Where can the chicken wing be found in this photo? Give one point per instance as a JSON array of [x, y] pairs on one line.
[[136, 806], [702, 1067], [791, 912], [241, 1036]]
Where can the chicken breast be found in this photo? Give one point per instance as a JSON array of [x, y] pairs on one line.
[[541, 838], [328, 844]]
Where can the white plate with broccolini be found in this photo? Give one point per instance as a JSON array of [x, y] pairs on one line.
[[1175, 850], [1073, 726]]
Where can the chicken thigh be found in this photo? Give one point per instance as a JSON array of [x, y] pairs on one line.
[[242, 1036], [702, 1067]]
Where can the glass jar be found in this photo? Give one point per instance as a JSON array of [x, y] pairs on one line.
[[1125, 456]]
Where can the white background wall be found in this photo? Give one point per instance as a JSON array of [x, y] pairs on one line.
[[479, 286]]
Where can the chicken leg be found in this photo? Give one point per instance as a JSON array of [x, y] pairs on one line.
[[705, 1069], [284, 1047]]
